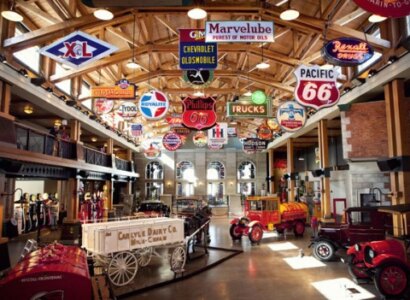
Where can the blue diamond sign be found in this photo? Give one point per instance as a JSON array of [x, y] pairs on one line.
[[78, 49]]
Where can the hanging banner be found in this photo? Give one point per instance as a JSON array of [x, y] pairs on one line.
[[291, 116], [194, 53], [136, 129], [254, 144], [127, 110], [171, 141], [316, 87], [200, 139], [103, 106], [199, 113], [122, 90], [247, 110], [239, 31], [78, 49], [386, 8], [347, 51], [218, 134], [153, 105], [198, 78]]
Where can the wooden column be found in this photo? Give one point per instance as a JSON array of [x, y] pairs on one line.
[[129, 183], [397, 108], [324, 163], [110, 146], [75, 130], [73, 203], [271, 171], [291, 169], [5, 97]]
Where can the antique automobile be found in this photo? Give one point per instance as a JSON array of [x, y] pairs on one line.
[[186, 207], [386, 262], [362, 224], [267, 214], [153, 209]]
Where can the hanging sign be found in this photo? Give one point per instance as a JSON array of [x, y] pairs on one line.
[[347, 51], [258, 97], [215, 146], [152, 152], [264, 132], [136, 129], [246, 110], [199, 113], [386, 8], [103, 106], [218, 134], [77, 49], [127, 110], [175, 120], [200, 139], [198, 78], [153, 105], [316, 87], [254, 144], [232, 132], [122, 90], [291, 116], [239, 31], [194, 53], [171, 141], [182, 131], [273, 125]]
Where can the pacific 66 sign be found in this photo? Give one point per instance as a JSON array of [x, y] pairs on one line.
[[316, 87]]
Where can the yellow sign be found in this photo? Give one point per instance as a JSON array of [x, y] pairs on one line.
[[123, 90]]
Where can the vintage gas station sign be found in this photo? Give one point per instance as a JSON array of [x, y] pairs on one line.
[[239, 31], [347, 51], [103, 106], [264, 132], [273, 125], [194, 53], [78, 49], [218, 134], [152, 152], [200, 139], [246, 110], [171, 141], [153, 105], [199, 113], [122, 90], [291, 116], [254, 144], [386, 8], [316, 87], [127, 110], [136, 129], [198, 78]]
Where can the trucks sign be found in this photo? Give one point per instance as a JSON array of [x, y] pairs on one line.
[[246, 110]]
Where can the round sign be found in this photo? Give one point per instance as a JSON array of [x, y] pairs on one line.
[[127, 110], [198, 78], [258, 97], [200, 139], [103, 106], [386, 8], [153, 105], [273, 125], [171, 141], [215, 146], [264, 132], [152, 152], [291, 116]]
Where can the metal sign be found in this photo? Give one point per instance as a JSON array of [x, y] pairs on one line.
[[316, 87], [103, 106], [218, 134], [239, 31], [200, 139], [232, 132], [347, 51], [77, 49], [153, 105], [199, 113], [291, 116], [247, 110], [136, 129], [198, 78], [273, 125], [127, 110], [171, 141], [152, 152], [386, 8], [122, 90], [194, 53], [264, 132], [253, 144]]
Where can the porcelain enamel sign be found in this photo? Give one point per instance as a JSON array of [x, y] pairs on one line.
[[386, 8], [347, 51], [171, 141], [153, 105], [199, 113], [239, 31], [127, 110], [291, 116]]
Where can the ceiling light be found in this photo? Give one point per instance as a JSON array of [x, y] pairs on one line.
[[28, 109], [57, 123], [262, 65], [289, 15], [198, 94], [327, 66], [133, 65], [93, 139], [103, 14], [197, 13], [376, 19], [248, 94], [11, 14]]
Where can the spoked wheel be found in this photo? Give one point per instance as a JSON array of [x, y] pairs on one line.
[[256, 233], [392, 280], [323, 250], [144, 256], [178, 258], [122, 268], [236, 232], [357, 269]]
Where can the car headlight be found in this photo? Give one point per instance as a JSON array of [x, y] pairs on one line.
[[357, 247], [372, 254]]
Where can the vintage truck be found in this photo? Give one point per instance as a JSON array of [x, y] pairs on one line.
[[267, 213]]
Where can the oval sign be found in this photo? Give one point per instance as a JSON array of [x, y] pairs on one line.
[[172, 141], [103, 106], [347, 51], [291, 116], [127, 110], [386, 8], [264, 132], [152, 152], [200, 139], [153, 105], [273, 125]]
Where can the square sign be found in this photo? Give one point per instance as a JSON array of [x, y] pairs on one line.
[[78, 49], [194, 53], [218, 134]]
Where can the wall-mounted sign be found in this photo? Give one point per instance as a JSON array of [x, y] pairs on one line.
[[194, 53], [239, 31], [232, 132], [218, 134], [152, 152], [316, 87], [273, 125], [264, 132], [254, 144], [171, 141], [258, 97], [291, 116], [103, 106], [215, 146], [127, 110], [78, 49], [153, 105], [199, 113], [347, 51], [246, 110], [136, 129], [122, 90], [200, 139], [386, 8], [198, 78]]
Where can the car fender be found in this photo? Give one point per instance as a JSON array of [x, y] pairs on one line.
[[253, 223], [384, 258], [235, 221]]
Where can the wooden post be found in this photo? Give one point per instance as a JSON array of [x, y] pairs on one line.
[[324, 163], [110, 146], [291, 168], [5, 97], [73, 203], [75, 130], [271, 171]]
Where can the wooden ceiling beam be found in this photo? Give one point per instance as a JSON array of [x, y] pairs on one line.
[[38, 12]]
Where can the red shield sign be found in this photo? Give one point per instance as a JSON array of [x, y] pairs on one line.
[[316, 87], [199, 113]]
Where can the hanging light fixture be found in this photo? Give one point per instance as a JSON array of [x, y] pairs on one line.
[[262, 65], [197, 13], [376, 19], [289, 14], [11, 14], [132, 64], [94, 139], [28, 109], [103, 14], [57, 122]]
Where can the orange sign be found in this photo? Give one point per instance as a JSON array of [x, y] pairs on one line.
[[123, 90]]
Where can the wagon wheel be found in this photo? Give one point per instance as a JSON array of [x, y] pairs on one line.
[[122, 268], [144, 256], [178, 258]]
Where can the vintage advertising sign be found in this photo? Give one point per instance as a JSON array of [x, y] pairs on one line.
[[347, 51], [153, 105], [171, 141], [246, 110], [103, 106], [152, 152], [239, 31], [264, 132], [291, 116], [200, 139], [386, 8], [127, 110], [182, 131], [199, 113], [254, 144], [215, 146], [198, 78], [122, 90], [175, 120], [218, 134], [316, 87], [273, 125], [77, 49], [232, 132], [136, 129], [194, 53]]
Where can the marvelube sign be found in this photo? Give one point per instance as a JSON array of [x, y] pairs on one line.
[[194, 53], [291, 116], [239, 31], [386, 8], [347, 51], [122, 90], [153, 105], [199, 113], [246, 110]]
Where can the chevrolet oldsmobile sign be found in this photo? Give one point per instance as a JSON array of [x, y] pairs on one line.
[[247, 110], [239, 31], [78, 49]]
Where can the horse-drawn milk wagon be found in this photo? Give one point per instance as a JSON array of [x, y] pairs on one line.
[[122, 246]]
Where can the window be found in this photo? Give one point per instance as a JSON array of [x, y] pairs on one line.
[[65, 85], [186, 178], [216, 187], [29, 57], [154, 176], [216, 171], [153, 190], [361, 68], [246, 170], [154, 170], [246, 174]]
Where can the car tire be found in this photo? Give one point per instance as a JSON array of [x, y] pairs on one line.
[[235, 232], [323, 251], [255, 234], [392, 280], [299, 228], [357, 269]]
